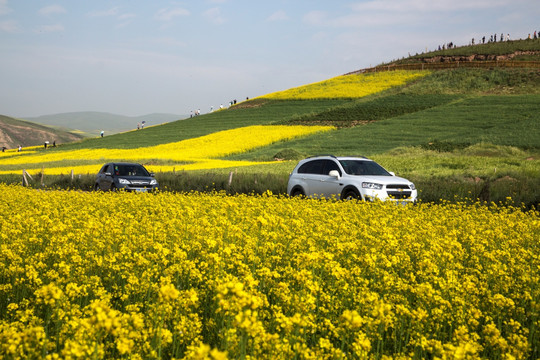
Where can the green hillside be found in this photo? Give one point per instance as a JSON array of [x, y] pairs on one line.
[[460, 107], [14, 132]]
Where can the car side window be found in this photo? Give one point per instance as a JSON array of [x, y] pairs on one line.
[[312, 167], [330, 165]]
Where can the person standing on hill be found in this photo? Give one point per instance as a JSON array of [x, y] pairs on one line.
[[102, 132]]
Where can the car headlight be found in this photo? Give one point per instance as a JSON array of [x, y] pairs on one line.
[[153, 182], [412, 186], [124, 181], [373, 186]]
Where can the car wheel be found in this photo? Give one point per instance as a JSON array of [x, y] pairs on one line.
[[113, 187], [351, 194], [297, 192], [96, 187]]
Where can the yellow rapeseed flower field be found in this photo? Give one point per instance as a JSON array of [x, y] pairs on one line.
[[209, 276], [197, 153], [348, 86]]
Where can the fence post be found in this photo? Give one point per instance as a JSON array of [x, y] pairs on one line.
[[25, 180], [71, 175], [230, 178]]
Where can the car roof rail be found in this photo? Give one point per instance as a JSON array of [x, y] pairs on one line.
[[357, 156], [320, 155]]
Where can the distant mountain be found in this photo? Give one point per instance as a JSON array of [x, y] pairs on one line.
[[93, 123], [14, 132]]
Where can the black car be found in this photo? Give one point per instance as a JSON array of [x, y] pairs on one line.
[[126, 176]]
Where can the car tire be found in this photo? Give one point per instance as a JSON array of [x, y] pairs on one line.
[[114, 188], [351, 194], [297, 192], [96, 187]]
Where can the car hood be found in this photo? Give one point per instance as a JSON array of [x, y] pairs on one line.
[[385, 180]]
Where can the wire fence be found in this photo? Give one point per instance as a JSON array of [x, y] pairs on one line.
[[451, 65]]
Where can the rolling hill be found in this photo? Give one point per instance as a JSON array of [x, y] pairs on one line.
[[14, 132]]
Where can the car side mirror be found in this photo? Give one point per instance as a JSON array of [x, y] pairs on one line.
[[392, 173], [334, 173], [152, 174]]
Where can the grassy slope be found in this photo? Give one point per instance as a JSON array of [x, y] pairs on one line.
[[30, 134], [243, 115], [464, 106]]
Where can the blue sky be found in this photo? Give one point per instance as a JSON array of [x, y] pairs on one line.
[[135, 57]]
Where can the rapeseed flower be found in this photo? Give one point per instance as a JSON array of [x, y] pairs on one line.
[[111, 275]]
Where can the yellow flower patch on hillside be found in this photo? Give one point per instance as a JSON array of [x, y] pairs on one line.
[[202, 150], [348, 86]]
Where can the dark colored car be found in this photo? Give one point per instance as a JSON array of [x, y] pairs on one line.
[[126, 176]]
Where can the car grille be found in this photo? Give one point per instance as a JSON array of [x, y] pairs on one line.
[[398, 191], [140, 183]]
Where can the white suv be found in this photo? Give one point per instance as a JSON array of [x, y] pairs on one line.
[[348, 178]]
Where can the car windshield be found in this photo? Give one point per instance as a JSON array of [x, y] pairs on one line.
[[362, 167], [130, 170]]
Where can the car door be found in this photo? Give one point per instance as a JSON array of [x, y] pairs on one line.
[[310, 173], [106, 177], [330, 186]]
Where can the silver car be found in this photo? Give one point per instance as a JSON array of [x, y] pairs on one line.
[[126, 176], [348, 178]]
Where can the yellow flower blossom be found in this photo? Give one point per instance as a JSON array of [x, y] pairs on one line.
[[212, 276]]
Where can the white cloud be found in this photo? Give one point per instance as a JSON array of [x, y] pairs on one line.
[[404, 12], [214, 16], [169, 14], [51, 10], [125, 19], [278, 16], [9, 26], [4, 9], [427, 6], [126, 16], [316, 17], [50, 28], [104, 13]]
